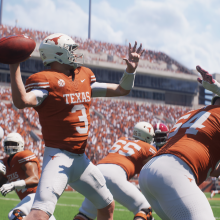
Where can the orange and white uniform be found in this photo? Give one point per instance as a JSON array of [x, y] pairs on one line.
[[125, 159], [185, 161], [129, 155], [64, 115], [14, 171], [65, 120]]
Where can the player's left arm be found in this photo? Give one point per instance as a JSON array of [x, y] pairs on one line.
[[127, 81], [31, 171], [31, 180]]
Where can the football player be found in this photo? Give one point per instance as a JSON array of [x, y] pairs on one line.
[[170, 180], [125, 159], [62, 96], [161, 135], [21, 169]]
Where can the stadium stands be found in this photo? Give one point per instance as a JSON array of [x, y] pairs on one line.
[[113, 52], [110, 119]]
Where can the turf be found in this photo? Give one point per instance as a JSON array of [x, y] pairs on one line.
[[69, 203]]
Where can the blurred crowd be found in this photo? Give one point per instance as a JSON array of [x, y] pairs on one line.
[[110, 120], [153, 59]]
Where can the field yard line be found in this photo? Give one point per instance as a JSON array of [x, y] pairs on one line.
[[10, 199]]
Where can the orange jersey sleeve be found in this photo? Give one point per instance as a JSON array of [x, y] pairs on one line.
[[15, 172], [64, 114], [195, 139], [129, 154]]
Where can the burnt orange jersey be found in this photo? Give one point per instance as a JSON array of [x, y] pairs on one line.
[[129, 154], [14, 171], [64, 114], [195, 139]]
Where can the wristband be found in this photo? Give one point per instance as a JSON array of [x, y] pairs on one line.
[[127, 80], [215, 87], [19, 184]]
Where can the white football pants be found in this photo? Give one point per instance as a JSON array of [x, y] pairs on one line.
[[25, 206], [60, 168], [122, 190], [169, 185]]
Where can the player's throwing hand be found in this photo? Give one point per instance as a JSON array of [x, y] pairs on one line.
[[133, 57]]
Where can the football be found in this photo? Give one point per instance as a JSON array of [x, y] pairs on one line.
[[15, 48]]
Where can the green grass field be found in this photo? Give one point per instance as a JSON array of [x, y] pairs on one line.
[[70, 202]]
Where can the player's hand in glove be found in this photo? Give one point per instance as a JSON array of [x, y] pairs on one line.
[[6, 188], [205, 76], [2, 168], [208, 82]]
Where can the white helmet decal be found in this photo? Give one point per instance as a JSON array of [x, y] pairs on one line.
[[60, 48], [13, 143], [143, 131]]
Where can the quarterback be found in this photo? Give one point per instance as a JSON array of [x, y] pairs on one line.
[[21, 169], [62, 97], [125, 159], [170, 180]]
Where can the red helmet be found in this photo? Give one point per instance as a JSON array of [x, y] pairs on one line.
[[161, 132]]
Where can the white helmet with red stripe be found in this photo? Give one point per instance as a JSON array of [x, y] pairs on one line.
[[60, 48], [13, 143], [143, 131], [161, 132]]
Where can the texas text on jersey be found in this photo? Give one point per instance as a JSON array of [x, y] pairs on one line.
[[197, 132], [129, 154], [67, 123], [15, 172]]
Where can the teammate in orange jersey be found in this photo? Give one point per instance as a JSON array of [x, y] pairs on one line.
[[170, 180], [125, 159], [21, 169], [62, 97]]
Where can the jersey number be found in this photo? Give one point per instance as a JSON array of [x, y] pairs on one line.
[[125, 150], [195, 122], [82, 118]]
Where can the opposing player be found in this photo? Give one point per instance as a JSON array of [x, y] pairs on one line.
[[125, 159], [21, 169], [62, 97], [170, 180], [161, 135]]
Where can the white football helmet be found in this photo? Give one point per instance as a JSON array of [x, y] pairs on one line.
[[143, 131], [1, 133], [13, 143], [59, 47]]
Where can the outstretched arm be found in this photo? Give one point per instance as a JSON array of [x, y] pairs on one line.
[[207, 81], [21, 99], [127, 81]]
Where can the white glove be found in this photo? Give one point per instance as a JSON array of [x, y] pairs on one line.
[[6, 188], [2, 168]]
